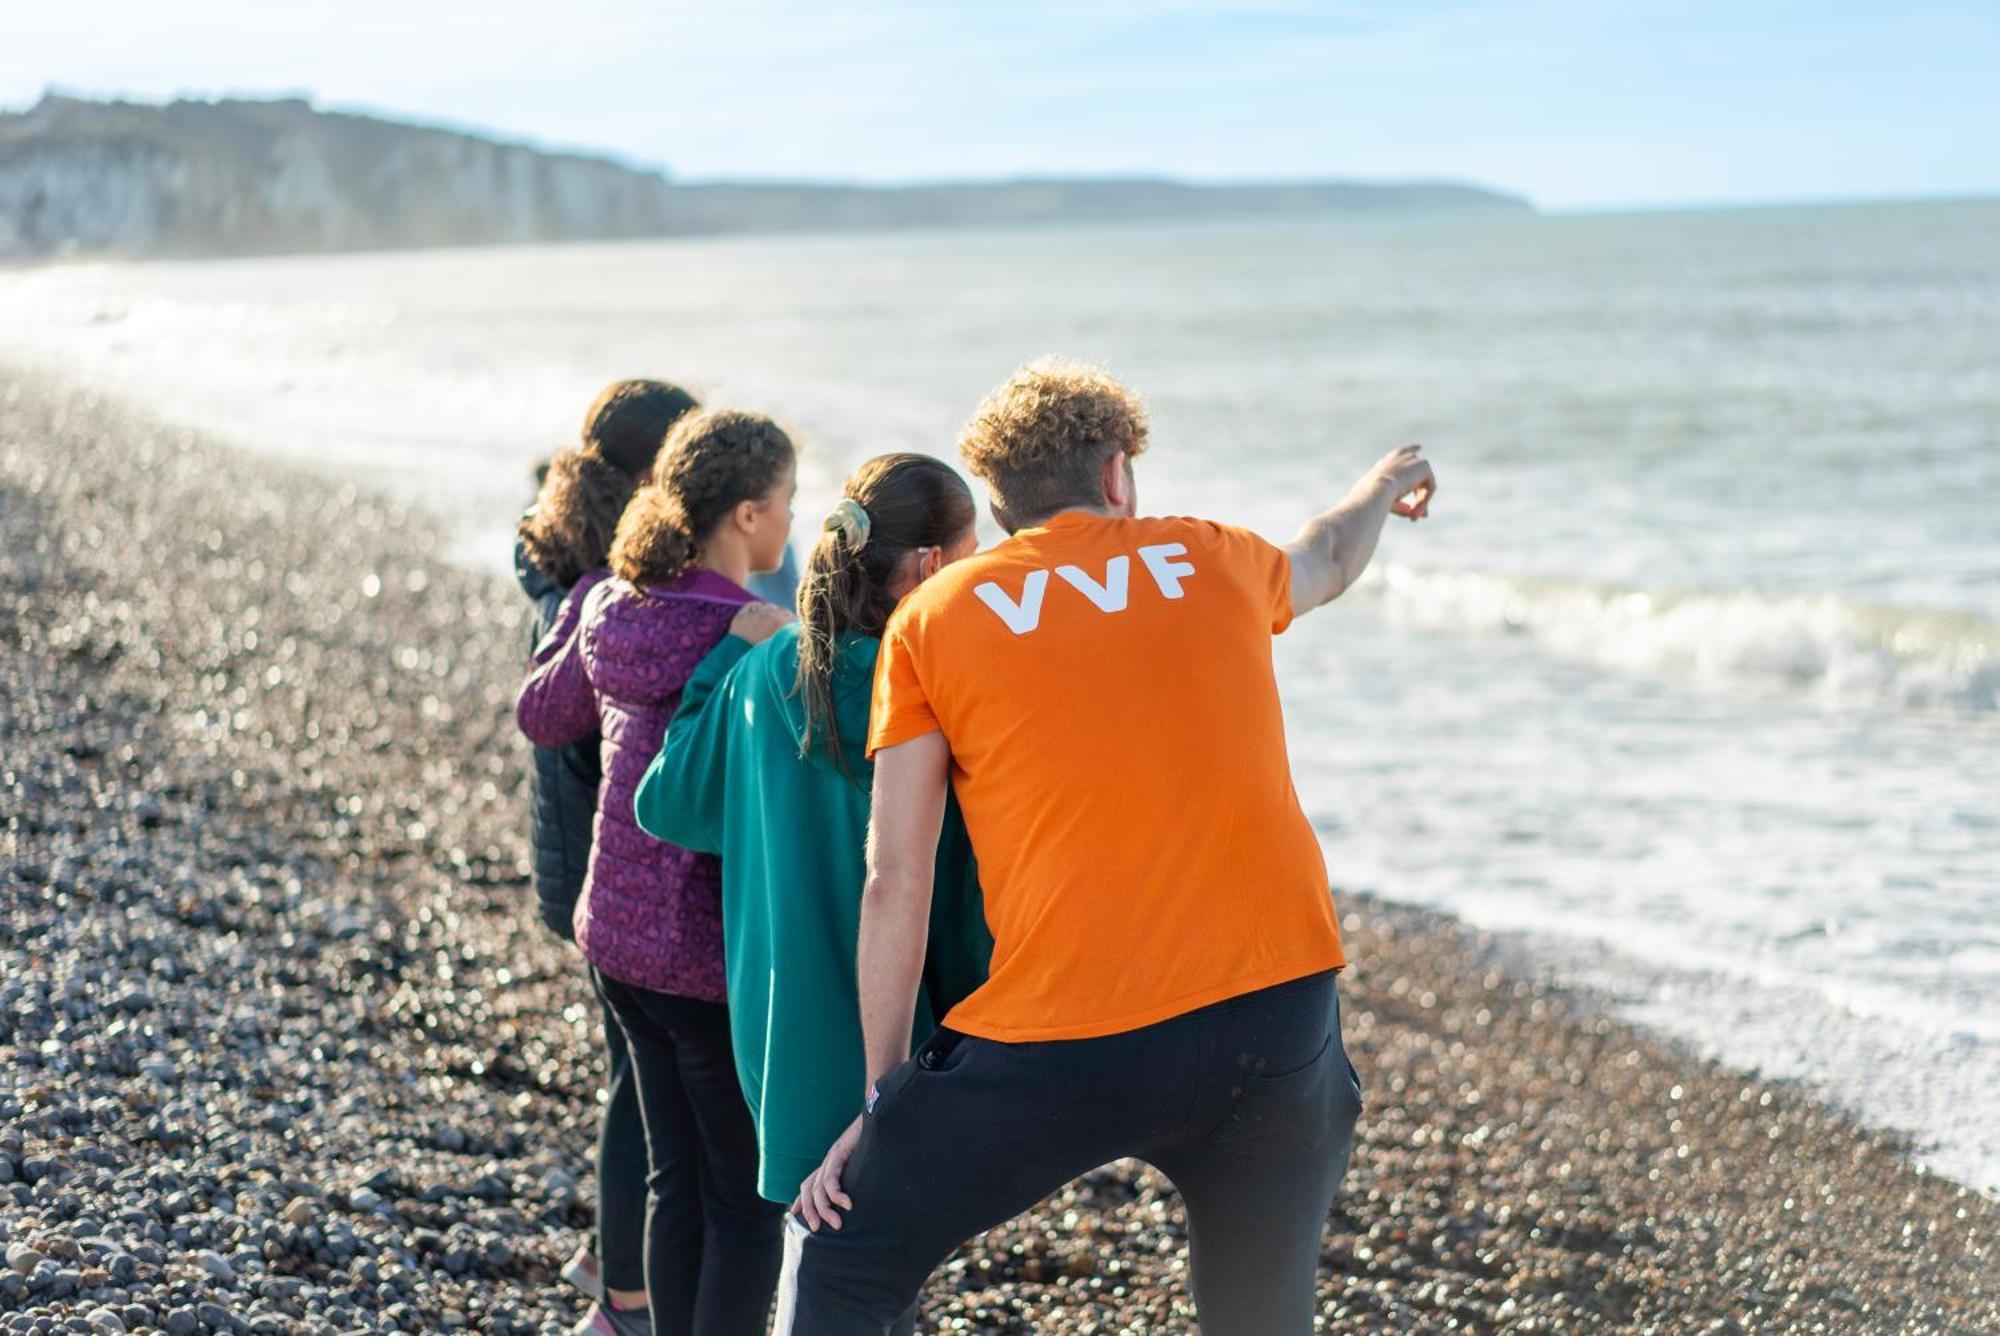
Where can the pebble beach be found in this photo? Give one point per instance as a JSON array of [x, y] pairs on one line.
[[283, 1048]]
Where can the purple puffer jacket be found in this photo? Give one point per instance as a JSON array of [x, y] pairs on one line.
[[614, 664]]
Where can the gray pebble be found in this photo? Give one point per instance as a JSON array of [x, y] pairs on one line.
[[289, 959]]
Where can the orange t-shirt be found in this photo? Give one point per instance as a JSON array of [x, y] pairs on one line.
[[1119, 753]]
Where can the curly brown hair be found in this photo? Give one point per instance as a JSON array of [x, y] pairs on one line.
[[630, 419], [576, 511], [1039, 441], [713, 461]]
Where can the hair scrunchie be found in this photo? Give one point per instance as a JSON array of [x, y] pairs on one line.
[[851, 522]]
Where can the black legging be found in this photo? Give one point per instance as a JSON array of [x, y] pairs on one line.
[[620, 1236], [1248, 1106], [713, 1245]]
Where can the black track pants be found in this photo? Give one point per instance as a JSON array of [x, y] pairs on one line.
[[1248, 1106]]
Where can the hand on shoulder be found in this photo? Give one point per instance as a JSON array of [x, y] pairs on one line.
[[758, 622]]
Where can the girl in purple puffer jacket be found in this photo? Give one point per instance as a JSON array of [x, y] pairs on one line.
[[650, 918]]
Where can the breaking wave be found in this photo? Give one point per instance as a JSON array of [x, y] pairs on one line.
[[1845, 650]]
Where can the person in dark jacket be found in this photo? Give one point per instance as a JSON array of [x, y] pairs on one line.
[[560, 544], [562, 540]]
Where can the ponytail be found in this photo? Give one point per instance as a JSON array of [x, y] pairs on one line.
[[712, 462], [891, 506], [576, 511]]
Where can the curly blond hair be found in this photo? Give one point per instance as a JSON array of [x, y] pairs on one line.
[[713, 461], [1039, 441]]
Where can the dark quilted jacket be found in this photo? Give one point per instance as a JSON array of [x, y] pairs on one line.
[[651, 912], [562, 781]]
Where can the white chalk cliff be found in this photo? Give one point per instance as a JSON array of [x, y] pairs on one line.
[[247, 176]]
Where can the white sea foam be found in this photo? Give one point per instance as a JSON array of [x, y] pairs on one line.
[[1839, 649]]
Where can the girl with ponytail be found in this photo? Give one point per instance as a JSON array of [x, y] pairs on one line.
[[716, 510], [900, 518], [766, 765], [561, 543]]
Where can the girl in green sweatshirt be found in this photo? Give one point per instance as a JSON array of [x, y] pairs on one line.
[[765, 764]]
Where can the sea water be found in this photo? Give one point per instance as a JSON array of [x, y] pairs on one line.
[[1692, 680]]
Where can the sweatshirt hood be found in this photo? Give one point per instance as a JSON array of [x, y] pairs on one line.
[[640, 644], [534, 581], [853, 687]]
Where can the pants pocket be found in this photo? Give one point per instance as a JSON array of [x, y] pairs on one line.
[[1285, 1114], [890, 1086], [942, 1052]]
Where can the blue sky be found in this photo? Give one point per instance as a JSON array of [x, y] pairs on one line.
[[1604, 104]]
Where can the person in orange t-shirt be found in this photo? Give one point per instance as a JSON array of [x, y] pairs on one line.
[[1098, 691]]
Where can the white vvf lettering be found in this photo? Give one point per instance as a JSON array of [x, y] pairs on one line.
[[1167, 573], [1109, 596], [1021, 617]]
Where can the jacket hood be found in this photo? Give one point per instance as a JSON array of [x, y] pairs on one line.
[[641, 644], [853, 687], [535, 582]]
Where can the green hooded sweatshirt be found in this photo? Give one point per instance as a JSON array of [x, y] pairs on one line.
[[791, 832]]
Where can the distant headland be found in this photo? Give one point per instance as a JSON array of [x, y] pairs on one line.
[[248, 176]]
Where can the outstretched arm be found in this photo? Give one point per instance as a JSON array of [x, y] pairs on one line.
[[680, 798], [1331, 552], [911, 780]]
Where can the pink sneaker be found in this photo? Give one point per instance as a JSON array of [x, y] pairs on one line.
[[583, 1272], [604, 1320]]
